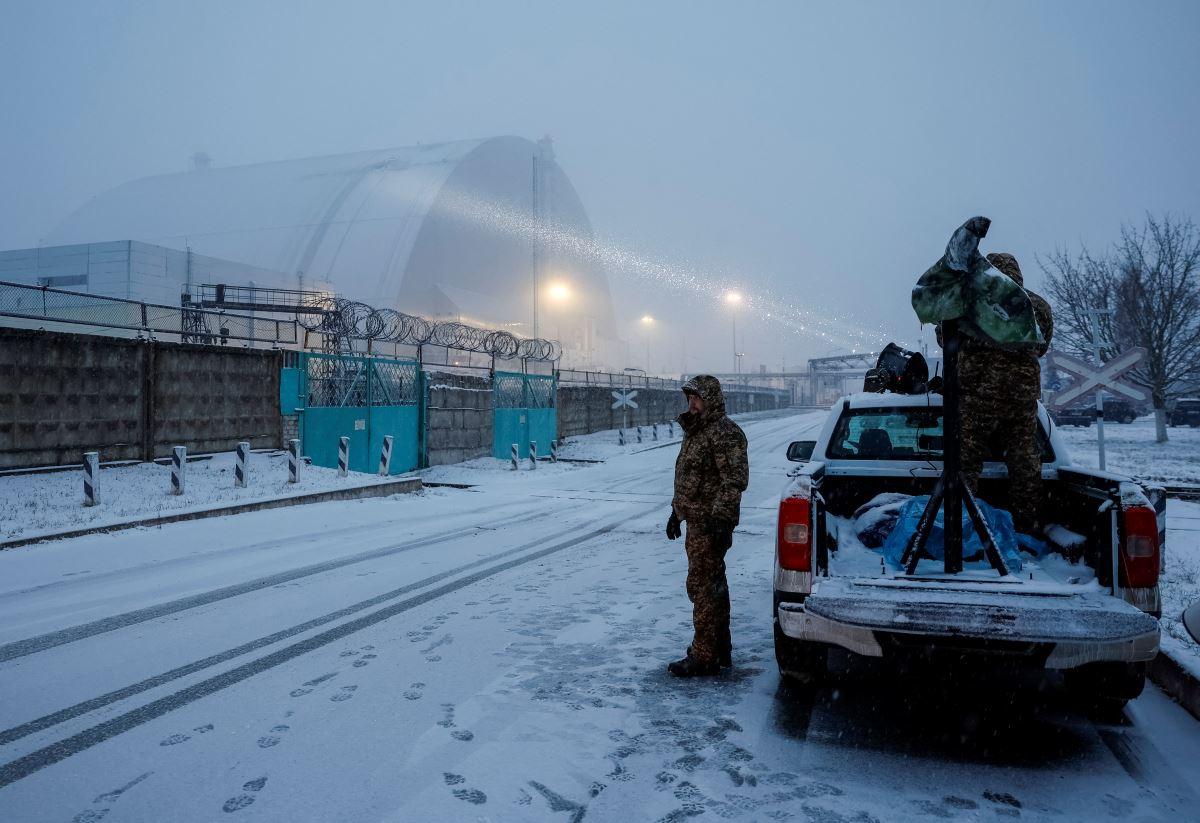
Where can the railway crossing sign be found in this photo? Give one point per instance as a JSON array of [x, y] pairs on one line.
[[1089, 378], [625, 399]]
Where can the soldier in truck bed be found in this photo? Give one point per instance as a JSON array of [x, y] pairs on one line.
[[711, 473], [999, 390]]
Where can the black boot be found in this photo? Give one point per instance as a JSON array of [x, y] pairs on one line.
[[691, 667], [726, 658]]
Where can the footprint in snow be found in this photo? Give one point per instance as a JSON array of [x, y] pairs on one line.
[[254, 786], [463, 735], [365, 660], [414, 692], [272, 739], [343, 694], [307, 687]]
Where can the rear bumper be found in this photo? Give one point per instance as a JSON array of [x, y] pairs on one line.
[[874, 627]]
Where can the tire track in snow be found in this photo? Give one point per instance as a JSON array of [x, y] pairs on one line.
[[49, 640], [49, 755]]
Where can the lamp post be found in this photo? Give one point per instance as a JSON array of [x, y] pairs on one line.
[[647, 324], [734, 299]]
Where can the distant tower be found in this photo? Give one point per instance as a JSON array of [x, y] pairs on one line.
[[542, 158]]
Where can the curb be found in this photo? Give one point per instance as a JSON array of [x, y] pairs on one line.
[[1176, 681], [404, 485]]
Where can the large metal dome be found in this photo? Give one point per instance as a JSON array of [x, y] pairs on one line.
[[444, 230]]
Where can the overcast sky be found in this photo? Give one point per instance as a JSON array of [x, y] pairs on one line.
[[823, 150]]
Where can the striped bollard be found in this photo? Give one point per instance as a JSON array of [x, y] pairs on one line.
[[343, 456], [621, 437], [671, 430], [655, 432], [385, 456], [178, 467], [240, 476], [91, 468], [533, 454], [639, 434], [293, 461], [553, 451], [515, 464]]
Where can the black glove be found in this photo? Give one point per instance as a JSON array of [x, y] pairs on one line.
[[673, 530], [722, 533]]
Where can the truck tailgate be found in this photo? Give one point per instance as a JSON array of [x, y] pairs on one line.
[[1081, 626]]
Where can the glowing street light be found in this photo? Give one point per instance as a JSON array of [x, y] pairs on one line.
[[647, 324], [734, 299], [559, 292]]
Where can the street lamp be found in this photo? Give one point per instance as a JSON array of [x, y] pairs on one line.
[[559, 292], [734, 299], [647, 324]]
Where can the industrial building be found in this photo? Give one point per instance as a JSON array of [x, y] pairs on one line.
[[488, 232]]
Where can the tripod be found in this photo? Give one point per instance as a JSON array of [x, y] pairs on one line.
[[950, 488]]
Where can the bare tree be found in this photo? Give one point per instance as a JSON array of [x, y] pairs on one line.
[[1148, 288]]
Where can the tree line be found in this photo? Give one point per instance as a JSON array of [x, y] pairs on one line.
[[1144, 290]]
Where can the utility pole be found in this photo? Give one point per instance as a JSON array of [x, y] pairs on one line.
[[537, 243]]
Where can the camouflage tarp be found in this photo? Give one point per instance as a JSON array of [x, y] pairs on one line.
[[964, 286]]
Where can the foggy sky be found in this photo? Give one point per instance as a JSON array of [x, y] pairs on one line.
[[824, 150]]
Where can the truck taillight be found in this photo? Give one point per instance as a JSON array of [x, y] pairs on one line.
[[1140, 549], [794, 544]]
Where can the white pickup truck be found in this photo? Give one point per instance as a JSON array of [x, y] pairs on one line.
[[1061, 611]]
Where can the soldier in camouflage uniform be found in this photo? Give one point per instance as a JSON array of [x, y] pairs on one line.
[[711, 473], [1000, 389]]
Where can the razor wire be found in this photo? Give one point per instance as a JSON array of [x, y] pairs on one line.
[[345, 320]]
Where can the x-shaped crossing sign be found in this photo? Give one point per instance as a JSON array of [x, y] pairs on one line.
[[1090, 378], [625, 399]]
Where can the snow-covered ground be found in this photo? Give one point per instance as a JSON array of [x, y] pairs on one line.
[[1130, 449], [498, 653], [51, 502]]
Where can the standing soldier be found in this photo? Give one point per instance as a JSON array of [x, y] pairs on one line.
[[1000, 389], [711, 473]]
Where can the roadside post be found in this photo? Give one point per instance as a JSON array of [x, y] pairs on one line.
[[91, 468], [343, 456], [293, 461], [625, 401], [385, 456], [553, 451], [655, 430], [178, 468], [240, 477], [639, 434], [516, 465], [533, 454], [620, 437]]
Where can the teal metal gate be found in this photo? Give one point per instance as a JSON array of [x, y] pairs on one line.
[[525, 409], [363, 398]]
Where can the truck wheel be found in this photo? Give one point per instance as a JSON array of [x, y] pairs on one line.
[[1107, 685], [800, 662]]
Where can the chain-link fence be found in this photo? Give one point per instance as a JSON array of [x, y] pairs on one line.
[[48, 304]]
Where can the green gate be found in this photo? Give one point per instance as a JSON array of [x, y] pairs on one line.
[[524, 410], [363, 398]]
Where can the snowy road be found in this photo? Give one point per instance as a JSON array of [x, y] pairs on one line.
[[498, 653]]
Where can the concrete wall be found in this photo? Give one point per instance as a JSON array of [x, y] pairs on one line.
[[458, 417], [63, 394]]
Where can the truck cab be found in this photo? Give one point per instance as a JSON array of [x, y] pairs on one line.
[[1087, 607]]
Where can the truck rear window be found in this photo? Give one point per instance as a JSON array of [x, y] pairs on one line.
[[901, 434]]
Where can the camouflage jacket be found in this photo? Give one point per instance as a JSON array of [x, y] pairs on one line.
[[712, 469], [1003, 374]]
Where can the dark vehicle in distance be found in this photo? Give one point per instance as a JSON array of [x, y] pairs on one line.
[[1185, 413], [1075, 415], [1119, 411]]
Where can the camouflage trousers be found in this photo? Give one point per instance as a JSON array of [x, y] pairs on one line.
[[989, 427], [709, 592]]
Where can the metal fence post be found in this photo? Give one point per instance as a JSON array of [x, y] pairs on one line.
[[91, 468], [240, 476], [293, 461], [343, 455], [533, 454], [385, 457], [178, 468], [515, 464]]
